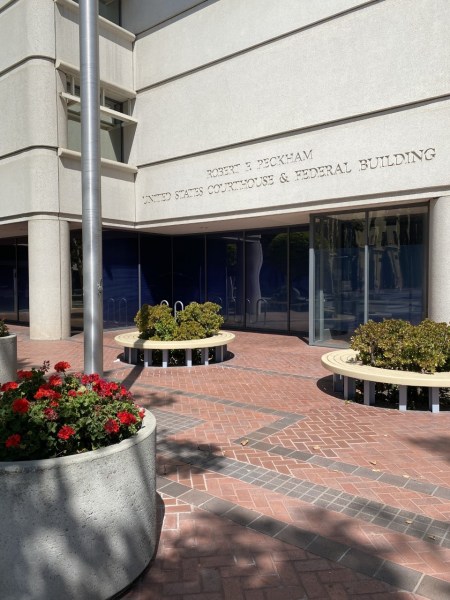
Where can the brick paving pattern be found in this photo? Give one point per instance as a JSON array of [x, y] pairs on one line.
[[271, 486]]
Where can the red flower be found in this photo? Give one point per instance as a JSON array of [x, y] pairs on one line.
[[24, 374], [61, 366], [9, 385], [111, 426], [45, 392], [21, 406], [126, 418], [142, 413], [50, 414], [55, 380], [90, 378], [66, 432], [72, 393], [13, 441]]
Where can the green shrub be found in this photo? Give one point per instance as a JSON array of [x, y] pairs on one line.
[[396, 344], [197, 321], [156, 322], [206, 315], [4, 331], [379, 344], [432, 346], [190, 330]]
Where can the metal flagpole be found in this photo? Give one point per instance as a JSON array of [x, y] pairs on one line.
[[91, 194]]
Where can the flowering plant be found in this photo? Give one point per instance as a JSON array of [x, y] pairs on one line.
[[63, 414]]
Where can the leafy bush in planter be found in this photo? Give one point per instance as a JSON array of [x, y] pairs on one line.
[[63, 415], [396, 344], [200, 317], [156, 322], [4, 331], [190, 330], [196, 321]]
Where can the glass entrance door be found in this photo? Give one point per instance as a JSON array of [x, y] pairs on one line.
[[339, 256]]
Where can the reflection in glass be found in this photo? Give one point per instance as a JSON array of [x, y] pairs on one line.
[[299, 279], [14, 301], [396, 264], [339, 249], [225, 275], [109, 9], [111, 142], [8, 308], [369, 265], [266, 295], [156, 269], [23, 299], [76, 270], [189, 269], [120, 278]]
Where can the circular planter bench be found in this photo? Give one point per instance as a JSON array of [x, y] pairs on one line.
[[82, 526], [131, 344], [344, 363]]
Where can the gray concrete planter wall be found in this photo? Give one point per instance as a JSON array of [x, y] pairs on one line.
[[8, 358], [78, 527]]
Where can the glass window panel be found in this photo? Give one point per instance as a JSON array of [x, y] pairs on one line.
[[111, 139], [339, 252], [299, 277], [156, 269], [111, 142], [8, 273], [76, 267], [23, 302], [189, 269], [225, 275], [397, 264], [110, 9], [120, 278], [14, 302], [266, 289], [73, 132]]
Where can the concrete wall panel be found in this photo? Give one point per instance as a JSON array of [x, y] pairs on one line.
[[28, 101], [27, 30], [399, 154], [221, 29], [387, 55], [29, 183], [117, 189]]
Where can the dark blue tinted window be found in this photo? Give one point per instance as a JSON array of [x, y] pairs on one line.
[[120, 278]]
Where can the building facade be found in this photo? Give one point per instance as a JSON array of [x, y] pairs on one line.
[[288, 160]]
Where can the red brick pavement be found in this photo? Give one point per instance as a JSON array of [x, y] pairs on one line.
[[202, 555]]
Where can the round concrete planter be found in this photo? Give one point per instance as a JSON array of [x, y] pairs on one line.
[[8, 358], [78, 527]]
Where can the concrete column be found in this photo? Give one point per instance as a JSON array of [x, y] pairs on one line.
[[49, 278], [439, 253]]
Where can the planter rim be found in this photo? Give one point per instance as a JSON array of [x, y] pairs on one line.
[[10, 335], [131, 339], [43, 464]]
